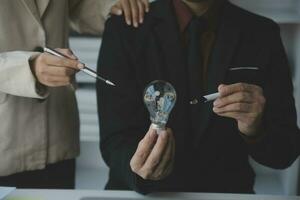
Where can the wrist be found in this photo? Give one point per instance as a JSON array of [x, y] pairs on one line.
[[254, 136], [40, 88], [251, 132], [32, 64]]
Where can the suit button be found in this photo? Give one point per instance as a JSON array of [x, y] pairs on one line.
[[194, 102]]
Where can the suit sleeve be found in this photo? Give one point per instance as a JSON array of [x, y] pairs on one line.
[[16, 77], [280, 146], [89, 16], [122, 115]]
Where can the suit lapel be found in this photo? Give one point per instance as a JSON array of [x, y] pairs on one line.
[[167, 32], [226, 42], [174, 69], [43, 4], [32, 8]]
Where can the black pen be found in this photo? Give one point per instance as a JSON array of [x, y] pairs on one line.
[[85, 69]]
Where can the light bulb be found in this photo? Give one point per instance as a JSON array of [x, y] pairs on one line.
[[159, 98]]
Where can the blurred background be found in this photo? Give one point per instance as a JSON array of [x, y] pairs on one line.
[[91, 171]]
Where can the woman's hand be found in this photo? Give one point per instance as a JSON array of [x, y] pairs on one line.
[[133, 10], [53, 71]]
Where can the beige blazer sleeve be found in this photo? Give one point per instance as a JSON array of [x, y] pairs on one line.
[[88, 16], [16, 77]]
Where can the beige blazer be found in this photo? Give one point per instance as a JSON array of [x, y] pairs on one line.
[[39, 127]]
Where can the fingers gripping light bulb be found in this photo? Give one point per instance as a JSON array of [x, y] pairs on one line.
[[159, 98]]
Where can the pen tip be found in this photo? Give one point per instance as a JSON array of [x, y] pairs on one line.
[[110, 83]]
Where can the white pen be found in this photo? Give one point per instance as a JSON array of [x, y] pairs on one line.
[[206, 98], [85, 69], [211, 97]]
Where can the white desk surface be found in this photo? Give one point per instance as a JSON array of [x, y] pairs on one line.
[[126, 195]]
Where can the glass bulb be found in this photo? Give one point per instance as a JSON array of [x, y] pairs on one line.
[[159, 98]]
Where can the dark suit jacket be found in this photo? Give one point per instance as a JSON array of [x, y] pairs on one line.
[[213, 157]]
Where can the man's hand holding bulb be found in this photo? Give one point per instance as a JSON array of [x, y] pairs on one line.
[[154, 157]]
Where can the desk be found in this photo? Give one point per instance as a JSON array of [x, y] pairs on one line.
[[126, 195]]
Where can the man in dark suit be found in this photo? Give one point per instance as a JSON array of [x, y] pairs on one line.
[[200, 47]]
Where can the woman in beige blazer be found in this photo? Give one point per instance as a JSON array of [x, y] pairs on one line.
[[39, 123]]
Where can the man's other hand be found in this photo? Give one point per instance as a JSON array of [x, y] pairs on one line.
[[53, 71], [243, 102], [133, 10], [154, 157]]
